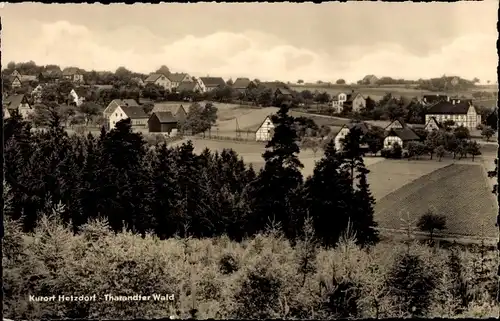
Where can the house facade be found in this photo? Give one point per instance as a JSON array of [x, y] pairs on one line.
[[77, 96], [355, 100], [208, 84], [242, 84], [138, 117], [177, 111], [162, 122], [346, 129], [265, 131], [20, 103], [73, 74], [178, 78], [160, 80], [432, 125], [462, 113], [113, 105], [398, 132]]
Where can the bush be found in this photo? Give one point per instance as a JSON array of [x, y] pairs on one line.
[[223, 279]]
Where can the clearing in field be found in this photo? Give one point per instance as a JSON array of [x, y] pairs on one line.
[[458, 191]]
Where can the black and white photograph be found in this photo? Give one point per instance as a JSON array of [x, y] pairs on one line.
[[250, 160]]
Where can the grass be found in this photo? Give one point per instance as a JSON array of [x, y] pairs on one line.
[[458, 191], [390, 175]]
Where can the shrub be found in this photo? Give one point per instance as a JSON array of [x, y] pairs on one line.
[[228, 263]]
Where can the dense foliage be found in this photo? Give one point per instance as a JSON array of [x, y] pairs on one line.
[[173, 191]]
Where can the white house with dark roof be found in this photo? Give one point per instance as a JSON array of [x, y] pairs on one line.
[[462, 113], [432, 125], [189, 86], [355, 100], [73, 74], [265, 131], [78, 95], [139, 119], [160, 80], [179, 78], [114, 104], [346, 129], [211, 83], [400, 133], [19, 103]]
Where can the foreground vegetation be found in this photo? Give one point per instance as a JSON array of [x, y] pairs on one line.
[[260, 277]]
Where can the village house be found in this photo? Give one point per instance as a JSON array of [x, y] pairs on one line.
[[432, 125], [179, 78], [242, 84], [211, 83], [189, 86], [278, 89], [17, 80], [113, 105], [5, 113], [354, 100], [462, 113], [138, 118], [160, 80], [346, 129], [36, 93], [78, 95], [20, 103], [177, 111], [163, 122], [73, 74], [265, 131], [49, 76], [400, 133]]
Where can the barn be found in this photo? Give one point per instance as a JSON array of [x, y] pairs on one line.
[[162, 122]]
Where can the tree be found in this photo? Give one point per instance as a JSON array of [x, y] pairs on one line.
[[462, 133], [374, 138], [209, 115], [448, 124], [328, 194], [275, 195], [230, 82], [474, 149], [89, 110], [487, 132], [411, 283], [300, 81], [440, 151], [195, 119], [310, 143], [340, 82], [164, 70], [370, 104], [429, 222]]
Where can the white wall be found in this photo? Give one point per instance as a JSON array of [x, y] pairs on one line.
[[265, 131]]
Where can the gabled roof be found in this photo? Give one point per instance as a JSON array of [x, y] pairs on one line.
[[434, 120], [399, 120], [81, 91], [28, 78], [406, 134], [213, 81], [241, 83], [13, 101], [126, 102], [177, 77], [284, 91], [154, 77], [134, 112], [267, 117], [165, 117], [445, 107], [165, 107], [70, 71], [359, 125], [187, 86]]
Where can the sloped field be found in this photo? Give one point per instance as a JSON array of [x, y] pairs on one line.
[[390, 175], [460, 192]]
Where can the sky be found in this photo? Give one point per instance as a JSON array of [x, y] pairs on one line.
[[268, 41]]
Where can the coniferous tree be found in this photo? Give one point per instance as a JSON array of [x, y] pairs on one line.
[[328, 195], [276, 193]]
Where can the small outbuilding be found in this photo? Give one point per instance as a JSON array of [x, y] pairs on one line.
[[162, 122]]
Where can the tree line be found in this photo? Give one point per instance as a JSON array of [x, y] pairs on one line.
[[173, 191]]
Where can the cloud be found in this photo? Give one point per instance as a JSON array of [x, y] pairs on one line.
[[251, 53]]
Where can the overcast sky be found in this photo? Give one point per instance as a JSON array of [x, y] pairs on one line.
[[268, 41]]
